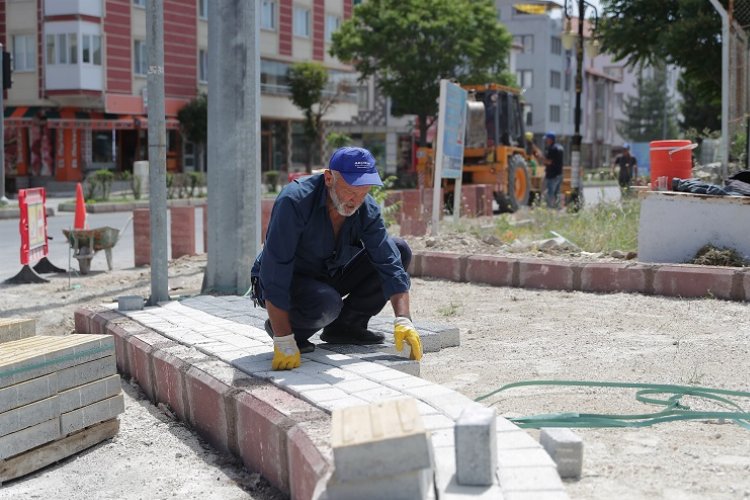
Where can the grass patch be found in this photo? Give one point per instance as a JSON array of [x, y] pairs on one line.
[[602, 228], [449, 310]]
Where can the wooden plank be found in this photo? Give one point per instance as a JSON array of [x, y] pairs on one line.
[[47, 454]]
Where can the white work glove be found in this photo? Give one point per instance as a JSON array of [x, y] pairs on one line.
[[403, 329], [285, 353]]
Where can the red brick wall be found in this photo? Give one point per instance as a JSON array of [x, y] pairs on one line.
[[347, 9], [180, 49], [318, 26], [285, 27], [118, 46]]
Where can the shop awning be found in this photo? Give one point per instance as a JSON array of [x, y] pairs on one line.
[[142, 122], [21, 115]]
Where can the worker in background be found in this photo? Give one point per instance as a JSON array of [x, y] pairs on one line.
[[553, 169], [628, 168], [329, 263]]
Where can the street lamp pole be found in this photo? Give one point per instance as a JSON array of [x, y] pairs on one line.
[[576, 195]]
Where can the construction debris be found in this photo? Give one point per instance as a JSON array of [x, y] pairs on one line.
[[710, 255]]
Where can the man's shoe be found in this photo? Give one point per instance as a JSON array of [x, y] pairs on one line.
[[351, 335], [303, 345]]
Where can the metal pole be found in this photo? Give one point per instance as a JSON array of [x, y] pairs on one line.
[[234, 197], [3, 199], [724, 87], [575, 153], [157, 151]]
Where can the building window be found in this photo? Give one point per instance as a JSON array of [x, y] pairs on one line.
[[96, 49], [620, 101], [102, 147], [332, 24], [73, 48], [556, 45], [203, 65], [139, 3], [363, 97], [62, 48], [268, 15], [554, 113], [614, 71], [302, 22], [525, 41], [555, 78], [140, 57], [24, 53], [273, 77], [203, 9], [525, 78]]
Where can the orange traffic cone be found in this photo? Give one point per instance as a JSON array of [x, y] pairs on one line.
[[80, 219]]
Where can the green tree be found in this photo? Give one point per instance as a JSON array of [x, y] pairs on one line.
[[193, 119], [686, 33], [697, 111], [651, 114], [308, 82], [412, 44]]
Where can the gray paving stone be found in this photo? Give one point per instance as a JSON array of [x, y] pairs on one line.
[[448, 487], [529, 479], [413, 485], [476, 447], [566, 449], [16, 329], [90, 393], [93, 414], [130, 303], [29, 438], [28, 415], [86, 372], [379, 440]]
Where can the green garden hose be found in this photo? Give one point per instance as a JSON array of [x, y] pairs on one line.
[[673, 410]]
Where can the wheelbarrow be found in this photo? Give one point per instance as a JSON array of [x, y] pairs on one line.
[[86, 242]]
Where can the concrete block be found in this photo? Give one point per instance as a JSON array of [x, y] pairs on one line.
[[447, 266], [412, 485], [207, 407], [169, 373], [374, 441], [29, 438], [565, 448], [182, 231], [546, 274], [694, 281], [522, 479], [308, 462], [615, 277], [85, 373], [31, 414], [130, 303], [16, 329], [27, 392], [32, 357], [93, 414], [88, 394], [449, 335], [476, 447], [142, 236]]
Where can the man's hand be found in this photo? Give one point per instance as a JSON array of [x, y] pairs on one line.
[[403, 329], [285, 353]]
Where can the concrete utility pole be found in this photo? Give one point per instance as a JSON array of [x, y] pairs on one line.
[[233, 145], [3, 199], [157, 150], [724, 88]]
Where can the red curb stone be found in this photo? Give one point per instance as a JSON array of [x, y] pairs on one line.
[[262, 439], [82, 318], [613, 278], [497, 271], [182, 231], [121, 336], [413, 227], [170, 383], [139, 364], [208, 412], [100, 320], [142, 236], [694, 281], [307, 465], [442, 265], [546, 274]]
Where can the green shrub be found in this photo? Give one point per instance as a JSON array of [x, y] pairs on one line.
[[196, 181], [104, 178], [380, 193], [271, 180]]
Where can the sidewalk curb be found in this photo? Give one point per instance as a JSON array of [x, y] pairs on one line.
[[669, 280], [283, 438], [101, 208], [15, 213]]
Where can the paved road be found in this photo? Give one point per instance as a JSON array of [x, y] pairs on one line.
[[59, 250]]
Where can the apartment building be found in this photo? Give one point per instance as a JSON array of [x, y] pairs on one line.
[[79, 100], [546, 72]]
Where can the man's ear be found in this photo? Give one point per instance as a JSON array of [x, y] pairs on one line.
[[328, 175]]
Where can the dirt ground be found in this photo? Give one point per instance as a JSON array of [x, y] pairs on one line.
[[507, 335]]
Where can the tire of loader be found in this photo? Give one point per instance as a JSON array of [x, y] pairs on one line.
[[518, 186]]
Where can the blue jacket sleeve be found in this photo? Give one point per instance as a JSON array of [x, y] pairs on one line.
[[277, 263], [383, 252]]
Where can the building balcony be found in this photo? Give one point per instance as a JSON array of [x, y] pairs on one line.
[[74, 77], [91, 8]]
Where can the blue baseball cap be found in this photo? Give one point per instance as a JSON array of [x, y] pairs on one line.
[[549, 135], [626, 146], [356, 166]]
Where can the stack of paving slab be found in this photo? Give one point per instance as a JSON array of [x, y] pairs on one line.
[[58, 396]]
